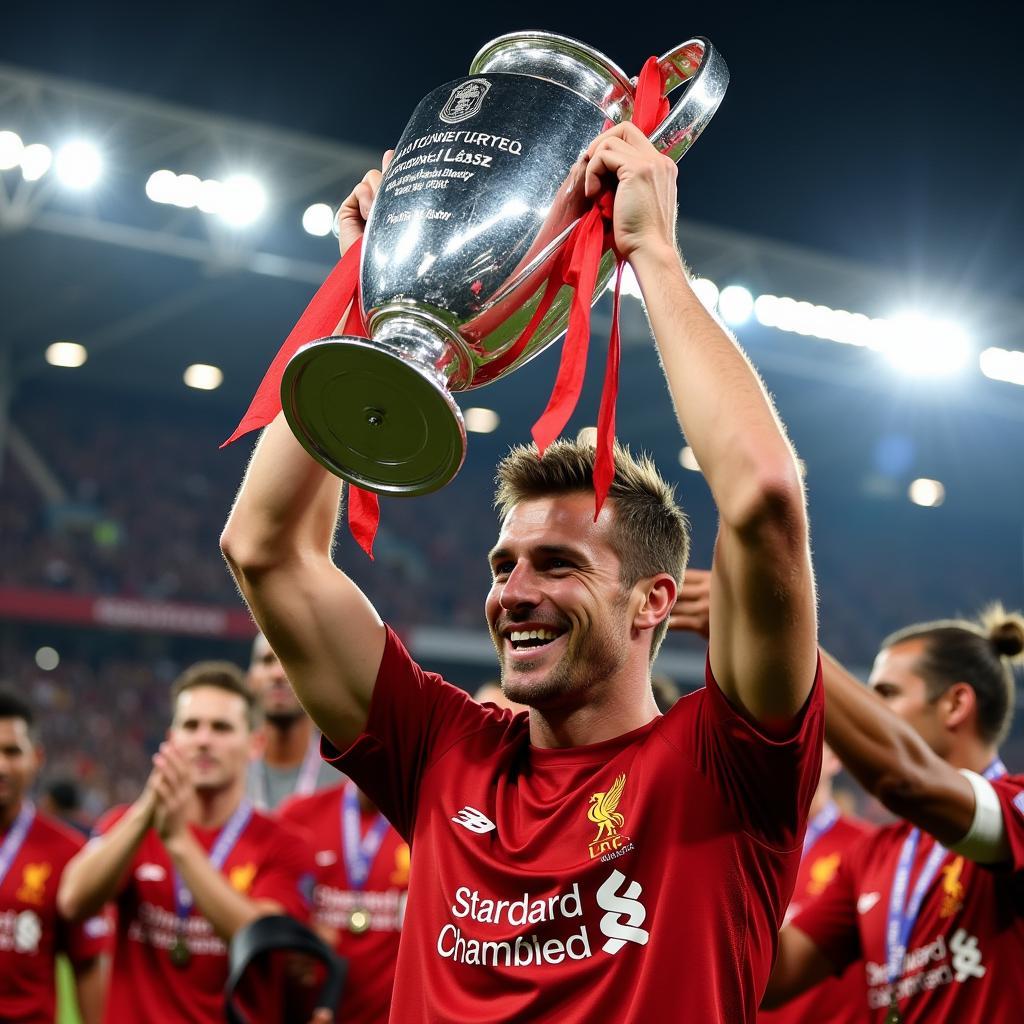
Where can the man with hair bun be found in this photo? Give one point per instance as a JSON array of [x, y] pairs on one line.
[[933, 905], [591, 860]]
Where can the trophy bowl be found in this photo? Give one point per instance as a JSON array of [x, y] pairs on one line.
[[486, 184]]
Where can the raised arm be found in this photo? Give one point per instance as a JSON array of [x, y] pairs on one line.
[[891, 761], [763, 624], [799, 966], [277, 543], [93, 876]]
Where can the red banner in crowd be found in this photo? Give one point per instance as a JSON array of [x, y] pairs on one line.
[[118, 612]]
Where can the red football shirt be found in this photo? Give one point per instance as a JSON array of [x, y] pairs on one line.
[[270, 861], [640, 879], [965, 955], [837, 1000], [371, 955], [31, 931]]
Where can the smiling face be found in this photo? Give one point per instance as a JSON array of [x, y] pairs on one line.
[[211, 728], [559, 616]]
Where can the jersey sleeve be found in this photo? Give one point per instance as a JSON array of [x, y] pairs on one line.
[[86, 940], [1010, 791], [767, 781], [414, 717], [830, 920], [286, 874]]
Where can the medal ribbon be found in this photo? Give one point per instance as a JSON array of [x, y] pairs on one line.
[[220, 852], [821, 823], [15, 838], [359, 853], [576, 265], [996, 770]]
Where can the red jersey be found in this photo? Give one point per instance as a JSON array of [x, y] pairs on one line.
[[270, 861], [639, 879], [371, 954], [837, 1000], [31, 931], [964, 957]]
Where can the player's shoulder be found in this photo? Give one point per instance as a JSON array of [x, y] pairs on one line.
[[57, 838], [307, 810], [270, 831], [850, 829]]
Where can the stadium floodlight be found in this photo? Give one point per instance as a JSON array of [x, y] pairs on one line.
[[66, 353], [1003, 364], [318, 220], [243, 200], [47, 659], [480, 420], [707, 291], [36, 160], [11, 149], [210, 196], [161, 186], [203, 377], [923, 347], [688, 460], [926, 493], [79, 165], [736, 305], [186, 191]]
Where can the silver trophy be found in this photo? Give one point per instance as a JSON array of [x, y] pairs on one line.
[[485, 185]]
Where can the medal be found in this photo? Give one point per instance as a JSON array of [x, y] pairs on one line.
[[180, 955], [358, 921], [893, 1016]]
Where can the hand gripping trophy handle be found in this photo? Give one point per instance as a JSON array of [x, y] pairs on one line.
[[483, 190]]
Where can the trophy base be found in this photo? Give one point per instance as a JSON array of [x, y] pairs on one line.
[[372, 418]]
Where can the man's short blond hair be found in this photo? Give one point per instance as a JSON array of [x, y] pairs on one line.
[[649, 532]]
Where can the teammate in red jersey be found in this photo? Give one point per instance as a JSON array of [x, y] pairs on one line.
[[934, 905], [34, 850], [190, 862], [592, 860], [362, 876], [289, 763]]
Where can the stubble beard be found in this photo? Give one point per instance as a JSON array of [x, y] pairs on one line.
[[598, 657]]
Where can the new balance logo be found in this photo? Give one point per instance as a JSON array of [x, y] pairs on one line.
[[966, 956], [474, 820], [625, 906]]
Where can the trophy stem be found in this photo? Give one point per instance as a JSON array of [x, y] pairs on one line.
[[377, 411]]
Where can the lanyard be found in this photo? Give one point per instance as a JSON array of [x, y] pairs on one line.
[[15, 837], [222, 848], [359, 853], [304, 784], [902, 916], [821, 823]]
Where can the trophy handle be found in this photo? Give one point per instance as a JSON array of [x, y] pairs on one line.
[[702, 69]]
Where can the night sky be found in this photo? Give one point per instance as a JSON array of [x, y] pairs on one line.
[[886, 132]]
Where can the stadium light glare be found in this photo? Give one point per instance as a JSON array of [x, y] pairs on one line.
[[243, 200], [203, 377], [1002, 364], [11, 149], [736, 305], [707, 291], [161, 186], [36, 160], [923, 347], [210, 194], [186, 191], [66, 353], [79, 165], [480, 420], [318, 220], [688, 460], [47, 659], [927, 493]]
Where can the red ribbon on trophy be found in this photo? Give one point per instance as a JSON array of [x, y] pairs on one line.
[[576, 265]]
